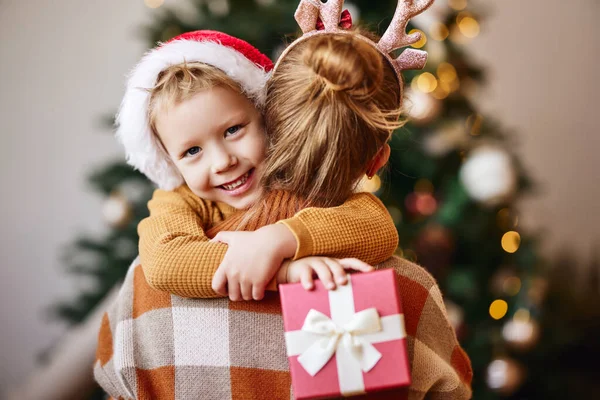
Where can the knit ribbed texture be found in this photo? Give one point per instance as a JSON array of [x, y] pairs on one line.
[[178, 257]]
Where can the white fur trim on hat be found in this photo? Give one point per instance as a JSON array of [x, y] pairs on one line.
[[143, 150]]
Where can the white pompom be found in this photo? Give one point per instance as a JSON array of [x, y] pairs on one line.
[[489, 175]]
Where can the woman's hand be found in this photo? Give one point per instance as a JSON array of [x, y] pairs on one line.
[[329, 270], [252, 260]]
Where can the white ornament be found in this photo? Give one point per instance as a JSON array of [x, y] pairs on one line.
[[489, 175], [116, 210], [421, 107], [448, 138]]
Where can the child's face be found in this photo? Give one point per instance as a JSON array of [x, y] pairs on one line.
[[217, 142]]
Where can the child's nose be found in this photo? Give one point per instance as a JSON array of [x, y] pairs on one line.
[[223, 162]]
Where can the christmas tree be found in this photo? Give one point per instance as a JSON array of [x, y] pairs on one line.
[[451, 188]]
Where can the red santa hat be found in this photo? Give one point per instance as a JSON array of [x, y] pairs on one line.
[[242, 62]]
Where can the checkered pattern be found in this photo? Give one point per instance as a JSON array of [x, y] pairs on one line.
[[154, 345]]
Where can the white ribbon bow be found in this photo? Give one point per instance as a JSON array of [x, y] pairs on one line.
[[316, 356], [348, 335]]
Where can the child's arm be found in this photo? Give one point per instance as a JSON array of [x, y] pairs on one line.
[[177, 256], [174, 249], [360, 228]]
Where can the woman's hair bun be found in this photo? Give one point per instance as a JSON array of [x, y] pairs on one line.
[[345, 63]]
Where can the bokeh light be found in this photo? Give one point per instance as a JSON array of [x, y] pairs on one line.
[[511, 241], [426, 82], [439, 31], [468, 26], [507, 219], [498, 309], [512, 286], [446, 72], [422, 41]]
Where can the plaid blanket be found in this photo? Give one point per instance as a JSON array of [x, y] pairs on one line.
[[154, 345]]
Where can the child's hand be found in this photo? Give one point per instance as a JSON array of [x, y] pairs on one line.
[[328, 270], [252, 260]]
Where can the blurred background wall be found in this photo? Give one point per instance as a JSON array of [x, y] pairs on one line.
[[62, 67]]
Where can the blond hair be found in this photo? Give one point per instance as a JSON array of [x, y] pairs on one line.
[[331, 105], [181, 82]]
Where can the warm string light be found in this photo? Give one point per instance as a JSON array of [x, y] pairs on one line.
[[498, 309], [511, 241], [467, 25], [422, 41], [425, 82], [439, 31], [507, 219]]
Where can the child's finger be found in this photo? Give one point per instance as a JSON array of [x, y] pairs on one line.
[[258, 292], [233, 287], [246, 290], [219, 282], [324, 274], [356, 264], [339, 274], [306, 278]]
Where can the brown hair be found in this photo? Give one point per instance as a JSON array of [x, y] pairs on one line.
[[180, 82], [331, 105]]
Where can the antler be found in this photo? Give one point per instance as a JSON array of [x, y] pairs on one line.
[[395, 36], [308, 12]]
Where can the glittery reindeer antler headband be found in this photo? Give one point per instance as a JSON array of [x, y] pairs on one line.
[[309, 13]]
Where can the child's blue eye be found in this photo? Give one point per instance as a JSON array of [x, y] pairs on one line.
[[232, 130], [192, 151]]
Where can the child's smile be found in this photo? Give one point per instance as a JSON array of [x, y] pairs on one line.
[[216, 140]]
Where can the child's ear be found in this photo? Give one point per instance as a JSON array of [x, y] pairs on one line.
[[380, 159]]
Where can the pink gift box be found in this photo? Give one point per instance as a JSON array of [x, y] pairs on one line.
[[373, 295]]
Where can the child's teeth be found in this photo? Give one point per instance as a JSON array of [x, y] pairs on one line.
[[237, 183]]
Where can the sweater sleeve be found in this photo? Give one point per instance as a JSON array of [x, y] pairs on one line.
[[440, 368], [361, 228], [175, 253]]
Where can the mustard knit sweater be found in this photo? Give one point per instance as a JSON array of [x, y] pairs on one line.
[[178, 257]]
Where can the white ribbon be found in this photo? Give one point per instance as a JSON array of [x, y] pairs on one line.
[[347, 334]]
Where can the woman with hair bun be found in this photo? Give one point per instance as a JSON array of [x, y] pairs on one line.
[[333, 101]]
